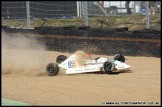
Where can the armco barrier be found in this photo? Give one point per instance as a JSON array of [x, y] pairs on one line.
[[98, 41]]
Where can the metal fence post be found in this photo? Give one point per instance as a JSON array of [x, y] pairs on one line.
[[78, 8], [81, 12], [28, 14], [85, 13], [147, 16], [134, 8], [160, 15]]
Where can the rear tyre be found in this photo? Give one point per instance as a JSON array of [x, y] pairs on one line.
[[52, 69], [60, 59], [108, 67]]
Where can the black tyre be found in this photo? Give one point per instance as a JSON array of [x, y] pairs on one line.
[[108, 67], [61, 58], [52, 69], [119, 57]]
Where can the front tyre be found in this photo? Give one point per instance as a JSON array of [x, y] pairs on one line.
[[52, 69], [108, 67]]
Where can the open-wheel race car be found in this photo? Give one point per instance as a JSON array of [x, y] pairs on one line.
[[83, 63]]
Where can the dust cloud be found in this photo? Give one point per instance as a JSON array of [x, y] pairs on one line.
[[80, 57], [22, 55]]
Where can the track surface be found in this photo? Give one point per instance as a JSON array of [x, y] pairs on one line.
[[36, 88]]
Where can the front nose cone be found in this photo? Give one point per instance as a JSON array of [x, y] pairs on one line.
[[127, 66]]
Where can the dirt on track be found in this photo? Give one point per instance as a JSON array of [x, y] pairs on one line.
[[33, 86], [24, 78]]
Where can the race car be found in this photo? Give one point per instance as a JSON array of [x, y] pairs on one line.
[[83, 63]]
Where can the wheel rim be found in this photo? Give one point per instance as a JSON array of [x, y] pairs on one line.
[[51, 69], [107, 66]]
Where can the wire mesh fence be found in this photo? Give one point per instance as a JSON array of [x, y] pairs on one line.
[[18, 10], [13, 10], [39, 9]]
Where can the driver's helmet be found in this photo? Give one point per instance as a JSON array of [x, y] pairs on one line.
[[119, 57], [88, 56]]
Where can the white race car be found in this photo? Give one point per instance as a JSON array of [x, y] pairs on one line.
[[82, 63]]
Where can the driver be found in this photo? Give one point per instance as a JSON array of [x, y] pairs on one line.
[[88, 56]]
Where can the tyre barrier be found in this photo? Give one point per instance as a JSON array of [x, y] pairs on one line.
[[107, 47], [16, 30], [97, 41], [123, 29], [87, 31], [92, 32]]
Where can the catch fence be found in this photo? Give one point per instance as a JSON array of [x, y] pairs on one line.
[[84, 10]]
